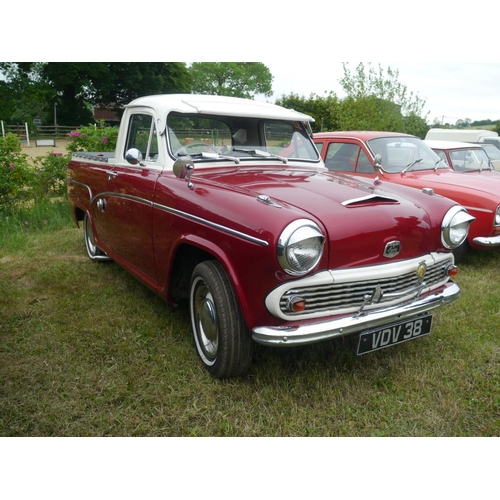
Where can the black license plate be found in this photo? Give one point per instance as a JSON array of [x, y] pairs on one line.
[[395, 333]]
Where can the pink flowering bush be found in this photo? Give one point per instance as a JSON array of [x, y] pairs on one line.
[[93, 138]]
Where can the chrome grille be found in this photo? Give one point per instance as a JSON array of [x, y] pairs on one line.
[[337, 297]]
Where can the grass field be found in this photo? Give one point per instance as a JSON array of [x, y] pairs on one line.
[[85, 350]]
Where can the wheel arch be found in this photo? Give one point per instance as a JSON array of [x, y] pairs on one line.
[[187, 254]]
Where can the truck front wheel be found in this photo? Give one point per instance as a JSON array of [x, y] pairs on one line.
[[222, 340]]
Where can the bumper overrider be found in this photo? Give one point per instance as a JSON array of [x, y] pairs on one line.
[[492, 241]]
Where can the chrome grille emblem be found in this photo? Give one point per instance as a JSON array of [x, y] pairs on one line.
[[392, 249], [421, 270]]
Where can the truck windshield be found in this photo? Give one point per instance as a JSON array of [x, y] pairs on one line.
[[403, 154], [230, 138]]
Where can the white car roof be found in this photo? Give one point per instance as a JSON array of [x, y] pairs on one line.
[[217, 105], [452, 144]]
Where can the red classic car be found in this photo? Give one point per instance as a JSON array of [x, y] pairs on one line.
[[225, 203], [406, 160], [467, 156]]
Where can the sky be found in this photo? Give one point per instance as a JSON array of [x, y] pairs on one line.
[[451, 90], [302, 45]]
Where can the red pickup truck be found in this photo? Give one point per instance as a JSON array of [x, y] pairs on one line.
[[226, 203]]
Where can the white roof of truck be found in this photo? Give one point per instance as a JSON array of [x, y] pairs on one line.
[[218, 105]]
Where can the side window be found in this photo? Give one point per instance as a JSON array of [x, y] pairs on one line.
[[364, 165], [341, 156], [142, 135], [319, 146], [442, 155]]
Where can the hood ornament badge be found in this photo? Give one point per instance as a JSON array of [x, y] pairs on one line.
[[392, 249]]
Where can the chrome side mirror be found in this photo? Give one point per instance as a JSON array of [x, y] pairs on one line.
[[378, 161], [133, 156], [183, 168]]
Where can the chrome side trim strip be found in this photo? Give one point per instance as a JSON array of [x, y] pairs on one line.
[[484, 210], [124, 196], [71, 181], [214, 225], [185, 215], [347, 325]]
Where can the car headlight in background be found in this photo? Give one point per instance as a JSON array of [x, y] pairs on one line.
[[496, 222], [300, 247], [455, 227]]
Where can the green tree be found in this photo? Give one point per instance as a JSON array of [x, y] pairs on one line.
[[235, 79], [116, 84], [376, 100], [24, 95], [76, 87], [324, 110]]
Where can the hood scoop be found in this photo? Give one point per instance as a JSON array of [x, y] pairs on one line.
[[369, 199]]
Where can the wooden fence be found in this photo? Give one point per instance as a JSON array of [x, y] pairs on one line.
[[40, 131]]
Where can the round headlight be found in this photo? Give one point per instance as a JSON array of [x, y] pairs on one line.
[[455, 227], [300, 247], [496, 222]]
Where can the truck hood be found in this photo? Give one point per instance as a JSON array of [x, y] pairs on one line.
[[359, 216]]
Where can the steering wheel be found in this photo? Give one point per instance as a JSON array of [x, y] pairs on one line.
[[184, 150]]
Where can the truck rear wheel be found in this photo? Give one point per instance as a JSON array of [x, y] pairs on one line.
[[222, 340]]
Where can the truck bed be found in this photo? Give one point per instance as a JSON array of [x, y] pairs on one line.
[[94, 156]]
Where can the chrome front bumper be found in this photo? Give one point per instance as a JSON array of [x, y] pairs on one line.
[[348, 325], [493, 241]]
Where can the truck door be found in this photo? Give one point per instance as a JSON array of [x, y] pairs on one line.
[[125, 221]]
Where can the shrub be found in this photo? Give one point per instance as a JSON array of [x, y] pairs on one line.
[[93, 138], [15, 173], [50, 175], [24, 179]]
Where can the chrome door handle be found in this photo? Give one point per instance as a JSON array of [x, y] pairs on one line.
[[111, 174]]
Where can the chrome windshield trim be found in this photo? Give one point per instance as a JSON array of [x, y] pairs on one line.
[[352, 324]]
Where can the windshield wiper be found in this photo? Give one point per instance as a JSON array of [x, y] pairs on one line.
[[263, 154], [410, 165], [218, 156], [437, 163], [214, 156]]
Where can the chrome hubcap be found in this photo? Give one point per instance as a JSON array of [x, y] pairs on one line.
[[206, 321]]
